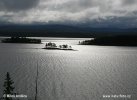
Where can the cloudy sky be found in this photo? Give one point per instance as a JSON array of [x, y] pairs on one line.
[[68, 11]]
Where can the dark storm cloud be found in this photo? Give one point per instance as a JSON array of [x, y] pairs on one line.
[[65, 11], [75, 6], [129, 2], [17, 5]]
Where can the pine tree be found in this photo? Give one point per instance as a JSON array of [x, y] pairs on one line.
[[8, 88]]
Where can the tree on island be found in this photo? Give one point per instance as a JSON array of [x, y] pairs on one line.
[[8, 87]]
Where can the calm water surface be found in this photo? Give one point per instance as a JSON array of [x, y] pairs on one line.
[[85, 74]]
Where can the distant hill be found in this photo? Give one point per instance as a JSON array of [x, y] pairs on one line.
[[55, 30]]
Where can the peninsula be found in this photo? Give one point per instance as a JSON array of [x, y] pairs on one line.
[[120, 40]]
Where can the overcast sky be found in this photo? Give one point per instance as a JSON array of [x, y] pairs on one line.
[[65, 11]]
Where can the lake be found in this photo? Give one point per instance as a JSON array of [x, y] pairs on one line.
[[86, 74]]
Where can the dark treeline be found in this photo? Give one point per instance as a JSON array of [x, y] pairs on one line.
[[120, 40], [21, 40]]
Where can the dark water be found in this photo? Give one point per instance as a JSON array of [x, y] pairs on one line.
[[86, 74]]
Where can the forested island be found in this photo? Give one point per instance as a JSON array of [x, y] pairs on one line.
[[112, 41], [21, 40]]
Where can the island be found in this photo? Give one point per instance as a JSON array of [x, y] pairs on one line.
[[21, 40], [119, 40], [53, 46]]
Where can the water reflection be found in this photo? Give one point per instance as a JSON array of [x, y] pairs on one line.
[[86, 74]]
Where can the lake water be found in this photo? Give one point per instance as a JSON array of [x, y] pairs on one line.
[[85, 74]]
